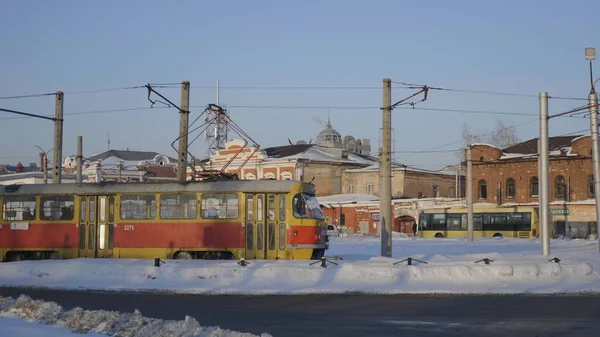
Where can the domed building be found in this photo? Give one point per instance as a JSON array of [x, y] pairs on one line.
[[329, 137]]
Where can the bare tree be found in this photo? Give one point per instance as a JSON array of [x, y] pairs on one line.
[[502, 136]]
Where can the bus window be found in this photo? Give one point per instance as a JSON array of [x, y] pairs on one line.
[[477, 222], [453, 221], [438, 222]]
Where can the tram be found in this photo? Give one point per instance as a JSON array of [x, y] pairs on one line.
[[228, 219]]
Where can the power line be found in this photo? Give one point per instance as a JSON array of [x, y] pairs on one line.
[[28, 96], [29, 114], [485, 92]]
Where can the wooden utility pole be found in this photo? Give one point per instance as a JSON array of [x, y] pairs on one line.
[[58, 138], [184, 115]]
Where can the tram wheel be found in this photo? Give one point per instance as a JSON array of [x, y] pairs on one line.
[[183, 256]]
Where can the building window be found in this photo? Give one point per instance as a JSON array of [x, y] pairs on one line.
[[590, 185], [482, 189], [286, 175], [534, 187], [269, 175], [350, 189], [510, 188], [436, 191], [560, 189], [369, 188]]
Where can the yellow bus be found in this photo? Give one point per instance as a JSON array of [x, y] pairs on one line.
[[488, 221]]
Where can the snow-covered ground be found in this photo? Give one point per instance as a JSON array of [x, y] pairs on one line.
[[33, 318], [518, 267]]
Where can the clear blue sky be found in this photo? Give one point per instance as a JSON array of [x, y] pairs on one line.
[[507, 46]]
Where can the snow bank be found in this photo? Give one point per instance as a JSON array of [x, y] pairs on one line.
[[110, 323], [518, 267]]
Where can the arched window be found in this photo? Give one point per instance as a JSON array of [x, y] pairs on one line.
[[482, 189], [560, 189], [286, 175], [269, 175], [250, 176], [511, 188], [534, 187], [590, 185]]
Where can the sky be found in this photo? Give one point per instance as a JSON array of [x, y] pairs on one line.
[[523, 47]]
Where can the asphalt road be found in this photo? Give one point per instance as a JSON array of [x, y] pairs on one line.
[[356, 315]]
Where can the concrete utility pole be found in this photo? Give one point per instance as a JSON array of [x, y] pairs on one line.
[[79, 158], [58, 138], [593, 101], [469, 194], [385, 171], [184, 116], [544, 168], [590, 54]]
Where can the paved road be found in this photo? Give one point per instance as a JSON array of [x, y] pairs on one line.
[[356, 315]]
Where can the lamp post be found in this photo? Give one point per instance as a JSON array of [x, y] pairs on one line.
[[44, 162]]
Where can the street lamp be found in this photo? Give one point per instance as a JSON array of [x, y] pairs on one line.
[[44, 162], [590, 55]]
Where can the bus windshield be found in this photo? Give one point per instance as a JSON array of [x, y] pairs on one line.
[[306, 206]]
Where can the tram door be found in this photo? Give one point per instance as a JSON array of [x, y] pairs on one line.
[[96, 226], [265, 226]]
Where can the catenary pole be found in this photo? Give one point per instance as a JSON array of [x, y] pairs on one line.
[[544, 192], [469, 194], [184, 115], [593, 102], [385, 171], [58, 138]]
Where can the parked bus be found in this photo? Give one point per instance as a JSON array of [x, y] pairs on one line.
[[229, 219], [488, 221]]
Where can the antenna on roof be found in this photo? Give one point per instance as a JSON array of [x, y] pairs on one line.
[[108, 137]]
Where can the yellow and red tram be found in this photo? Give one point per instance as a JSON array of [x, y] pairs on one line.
[[228, 219]]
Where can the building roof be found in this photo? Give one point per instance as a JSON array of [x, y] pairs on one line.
[[531, 146], [128, 155], [286, 150]]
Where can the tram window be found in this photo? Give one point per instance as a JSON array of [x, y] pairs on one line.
[[250, 208], [282, 230], [464, 222], [259, 208], [57, 208], [111, 210], [19, 208], [82, 208], [135, 207], [178, 206], [92, 211], [282, 208], [249, 236], [271, 208], [271, 236], [220, 206], [306, 206]]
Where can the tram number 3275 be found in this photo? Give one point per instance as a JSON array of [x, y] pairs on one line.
[[129, 227]]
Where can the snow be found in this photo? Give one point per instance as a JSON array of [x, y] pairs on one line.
[[347, 198], [26, 317], [518, 267]]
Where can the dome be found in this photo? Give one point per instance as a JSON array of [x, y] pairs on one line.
[[329, 136]]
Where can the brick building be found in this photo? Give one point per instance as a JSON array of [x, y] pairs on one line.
[[510, 177], [406, 182]]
